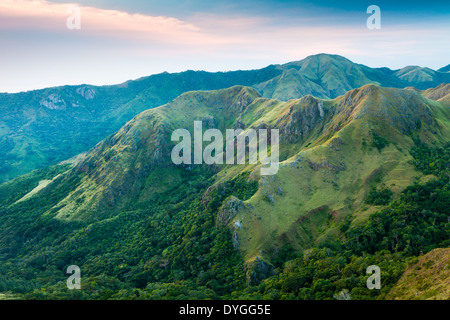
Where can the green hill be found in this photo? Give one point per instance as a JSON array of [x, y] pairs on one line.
[[323, 76], [135, 222], [422, 78], [329, 76], [43, 127]]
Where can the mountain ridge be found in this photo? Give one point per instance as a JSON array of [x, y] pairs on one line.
[[43, 127], [114, 169], [130, 217]]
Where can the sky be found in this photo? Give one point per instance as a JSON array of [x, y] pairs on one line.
[[41, 45]]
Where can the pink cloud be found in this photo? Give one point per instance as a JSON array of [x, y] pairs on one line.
[[42, 15], [203, 41]]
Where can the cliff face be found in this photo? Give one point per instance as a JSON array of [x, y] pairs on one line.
[[228, 211], [302, 117]]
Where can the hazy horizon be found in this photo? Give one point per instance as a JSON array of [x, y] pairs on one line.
[[184, 70], [124, 40]]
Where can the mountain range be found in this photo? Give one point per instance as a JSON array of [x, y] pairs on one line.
[[141, 227], [363, 179], [44, 127]]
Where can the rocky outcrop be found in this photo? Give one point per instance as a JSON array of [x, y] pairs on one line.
[[56, 102], [86, 92], [258, 270], [301, 119], [228, 211], [53, 102], [326, 165]]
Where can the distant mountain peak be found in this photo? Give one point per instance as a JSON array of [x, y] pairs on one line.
[[26, 114], [320, 58]]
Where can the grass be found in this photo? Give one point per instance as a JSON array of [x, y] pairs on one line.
[[428, 278]]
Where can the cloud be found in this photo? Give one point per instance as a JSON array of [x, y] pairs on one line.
[[42, 15], [115, 45], [203, 33]]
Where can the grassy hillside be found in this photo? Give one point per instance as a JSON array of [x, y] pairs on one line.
[[43, 127], [141, 227], [364, 144], [329, 76], [429, 278]]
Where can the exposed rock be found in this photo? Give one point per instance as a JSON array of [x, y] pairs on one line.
[[228, 211], [86, 92], [258, 270], [53, 102], [325, 165], [343, 295], [301, 119], [206, 197], [235, 240]]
